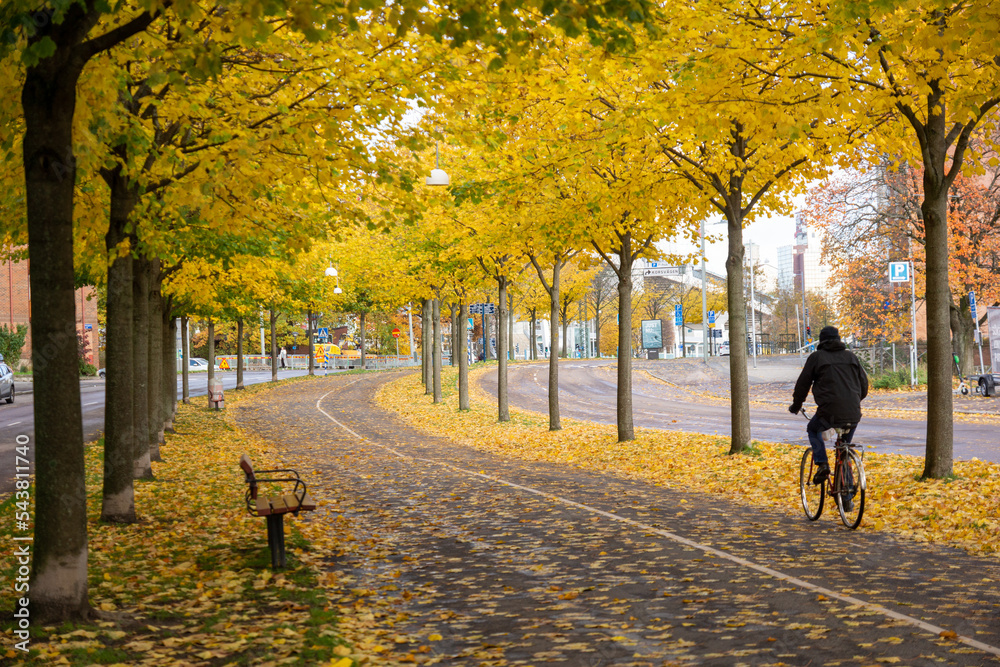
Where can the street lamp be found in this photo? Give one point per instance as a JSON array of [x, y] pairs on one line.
[[438, 175], [332, 272]]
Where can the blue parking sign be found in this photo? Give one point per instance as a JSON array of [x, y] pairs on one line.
[[899, 272], [678, 315]]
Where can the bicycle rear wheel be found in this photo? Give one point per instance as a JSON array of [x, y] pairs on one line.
[[849, 490], [812, 494]]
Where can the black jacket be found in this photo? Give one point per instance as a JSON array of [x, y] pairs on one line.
[[838, 381]]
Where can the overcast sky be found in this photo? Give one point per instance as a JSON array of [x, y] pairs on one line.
[[768, 233]]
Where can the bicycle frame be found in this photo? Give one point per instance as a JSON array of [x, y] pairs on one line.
[[840, 485]]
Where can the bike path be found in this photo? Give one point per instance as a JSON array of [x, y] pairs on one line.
[[511, 562]]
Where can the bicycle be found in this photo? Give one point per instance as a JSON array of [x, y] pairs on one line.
[[846, 484]]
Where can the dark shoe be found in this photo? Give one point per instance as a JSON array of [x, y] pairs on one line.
[[822, 474]]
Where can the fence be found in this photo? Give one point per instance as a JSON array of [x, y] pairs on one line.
[[256, 362]]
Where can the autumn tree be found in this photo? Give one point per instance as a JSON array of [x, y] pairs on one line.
[[926, 96]]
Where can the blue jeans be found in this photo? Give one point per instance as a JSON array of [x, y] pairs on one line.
[[813, 430]]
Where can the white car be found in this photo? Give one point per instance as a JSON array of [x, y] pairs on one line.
[[6, 381]]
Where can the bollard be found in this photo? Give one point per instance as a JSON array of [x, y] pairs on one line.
[[216, 397]]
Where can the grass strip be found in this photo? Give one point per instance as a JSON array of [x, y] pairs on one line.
[[963, 511], [191, 582]]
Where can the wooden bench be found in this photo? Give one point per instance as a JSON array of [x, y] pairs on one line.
[[275, 507]]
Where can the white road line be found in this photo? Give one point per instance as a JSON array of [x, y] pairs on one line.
[[801, 583], [14, 423], [92, 403]]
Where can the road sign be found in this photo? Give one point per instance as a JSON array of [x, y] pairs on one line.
[[711, 318], [678, 315], [395, 333], [972, 307], [663, 271], [323, 332], [899, 272], [483, 308], [470, 325]]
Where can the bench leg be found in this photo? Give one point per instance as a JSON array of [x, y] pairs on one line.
[[276, 539]]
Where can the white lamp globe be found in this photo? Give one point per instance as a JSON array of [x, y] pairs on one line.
[[438, 177]]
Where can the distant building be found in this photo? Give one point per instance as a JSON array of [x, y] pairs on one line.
[[808, 266], [786, 268], [15, 308]]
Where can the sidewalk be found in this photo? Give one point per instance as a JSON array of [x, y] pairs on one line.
[[476, 559]]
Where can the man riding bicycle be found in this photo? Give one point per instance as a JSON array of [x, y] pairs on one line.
[[839, 384]]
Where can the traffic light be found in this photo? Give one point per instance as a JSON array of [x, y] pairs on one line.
[[809, 332]]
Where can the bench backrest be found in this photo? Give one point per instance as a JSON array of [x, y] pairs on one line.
[[251, 478]]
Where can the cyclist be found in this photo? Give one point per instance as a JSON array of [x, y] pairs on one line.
[[839, 384]]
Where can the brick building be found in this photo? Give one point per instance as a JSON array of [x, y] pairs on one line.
[[15, 308]]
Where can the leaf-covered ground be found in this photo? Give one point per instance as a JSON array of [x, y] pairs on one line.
[[191, 582], [962, 512]]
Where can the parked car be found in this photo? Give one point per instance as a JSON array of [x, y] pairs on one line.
[[101, 374], [199, 364], [6, 381]]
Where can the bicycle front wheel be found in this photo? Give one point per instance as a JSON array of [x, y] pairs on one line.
[[812, 494], [849, 490]]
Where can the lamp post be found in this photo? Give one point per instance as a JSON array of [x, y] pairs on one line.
[[438, 177], [753, 314], [704, 296], [330, 272]]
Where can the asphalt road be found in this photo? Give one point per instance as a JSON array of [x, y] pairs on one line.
[[587, 391], [18, 419]]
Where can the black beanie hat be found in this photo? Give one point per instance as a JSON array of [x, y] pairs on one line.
[[829, 333]]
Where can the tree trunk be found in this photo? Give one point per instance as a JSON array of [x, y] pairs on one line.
[[554, 423], [185, 360], [739, 382], [597, 333], [503, 407], [168, 367], [155, 384], [463, 361], [309, 333], [140, 369], [565, 337], [211, 351], [963, 335], [274, 346], [486, 336], [59, 566], [239, 354], [534, 334], [510, 326], [58, 579], [361, 338], [456, 331], [426, 355], [626, 428], [118, 495], [436, 348], [940, 433]]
